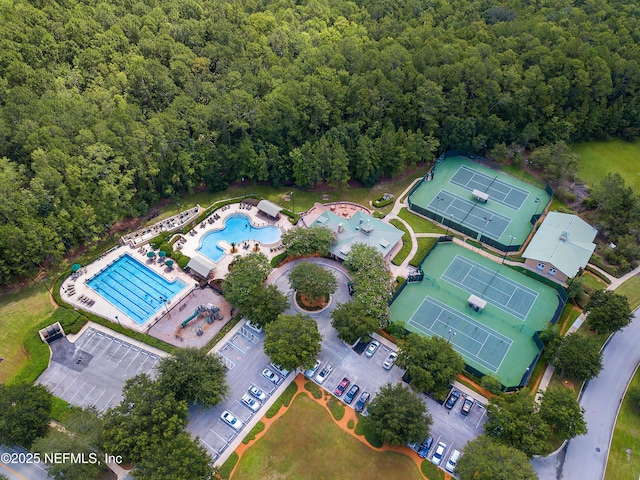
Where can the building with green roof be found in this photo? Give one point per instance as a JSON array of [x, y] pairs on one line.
[[561, 247], [360, 228]]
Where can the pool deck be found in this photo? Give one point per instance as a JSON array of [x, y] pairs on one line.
[[258, 219], [106, 309], [165, 324]]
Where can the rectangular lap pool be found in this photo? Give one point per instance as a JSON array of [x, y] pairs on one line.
[[134, 289]]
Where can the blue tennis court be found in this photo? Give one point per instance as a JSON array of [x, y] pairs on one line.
[[482, 344], [498, 191], [488, 284], [470, 214]]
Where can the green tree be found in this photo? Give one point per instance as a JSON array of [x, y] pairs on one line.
[[26, 411], [557, 160], [578, 357], [176, 458], [372, 280], [144, 419], [575, 291], [352, 321], [267, 303], [616, 204], [513, 420], [398, 416], [301, 242], [312, 280], [246, 273], [192, 375], [562, 412], [491, 383], [292, 341], [81, 434], [552, 339], [608, 311], [484, 459], [431, 363]]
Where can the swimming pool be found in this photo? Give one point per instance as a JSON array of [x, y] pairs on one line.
[[134, 289], [237, 229]]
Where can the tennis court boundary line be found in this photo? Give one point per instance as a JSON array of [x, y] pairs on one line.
[[483, 175], [461, 316], [466, 288]]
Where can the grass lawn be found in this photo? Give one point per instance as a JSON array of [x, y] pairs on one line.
[[591, 281], [306, 444], [419, 224], [631, 290], [624, 456], [303, 199], [19, 312], [600, 158]]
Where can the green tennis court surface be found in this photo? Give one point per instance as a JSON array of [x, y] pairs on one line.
[[485, 345], [490, 285], [504, 218], [469, 213], [506, 194], [496, 340]]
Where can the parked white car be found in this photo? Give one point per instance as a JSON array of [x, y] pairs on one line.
[[251, 402], [231, 420]]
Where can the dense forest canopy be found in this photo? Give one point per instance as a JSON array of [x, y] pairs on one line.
[[106, 106]]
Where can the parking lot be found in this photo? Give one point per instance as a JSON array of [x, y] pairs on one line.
[[242, 352], [93, 369], [453, 428]]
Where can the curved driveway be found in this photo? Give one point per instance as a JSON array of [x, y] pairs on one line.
[[586, 456]]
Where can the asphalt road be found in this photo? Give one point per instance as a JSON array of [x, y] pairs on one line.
[[586, 456], [21, 465]]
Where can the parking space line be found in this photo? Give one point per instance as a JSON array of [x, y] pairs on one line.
[[134, 358], [85, 397], [230, 342], [77, 392]]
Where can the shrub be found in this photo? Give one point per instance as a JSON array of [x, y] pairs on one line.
[[336, 407], [258, 427], [284, 399], [350, 424], [227, 467], [314, 389], [382, 202], [275, 261]]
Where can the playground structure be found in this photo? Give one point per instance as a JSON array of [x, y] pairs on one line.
[[210, 312]]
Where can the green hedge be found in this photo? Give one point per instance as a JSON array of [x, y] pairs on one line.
[[284, 399], [424, 244], [379, 202], [227, 467], [258, 427], [404, 252], [598, 274], [275, 261]]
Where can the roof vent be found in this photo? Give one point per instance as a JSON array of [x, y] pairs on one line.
[[366, 227], [564, 236]]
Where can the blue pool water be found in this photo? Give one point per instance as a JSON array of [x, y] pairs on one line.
[[237, 229], [134, 289]]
